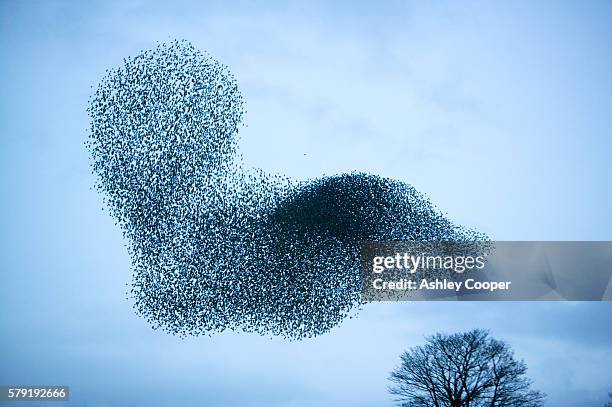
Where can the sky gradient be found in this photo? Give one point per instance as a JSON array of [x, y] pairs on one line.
[[500, 112]]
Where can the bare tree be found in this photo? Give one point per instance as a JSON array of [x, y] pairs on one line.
[[464, 369]]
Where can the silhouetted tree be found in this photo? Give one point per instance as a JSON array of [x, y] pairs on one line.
[[463, 369], [609, 403]]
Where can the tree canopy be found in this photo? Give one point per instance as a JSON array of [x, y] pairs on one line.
[[463, 369]]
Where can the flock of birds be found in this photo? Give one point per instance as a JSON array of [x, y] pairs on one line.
[[215, 246]]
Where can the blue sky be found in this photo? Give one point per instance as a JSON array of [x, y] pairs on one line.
[[500, 112]]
